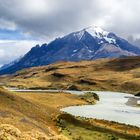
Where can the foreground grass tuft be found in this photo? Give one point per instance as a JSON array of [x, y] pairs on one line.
[[92, 129]]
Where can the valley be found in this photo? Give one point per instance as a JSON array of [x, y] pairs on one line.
[[38, 95], [22, 110]]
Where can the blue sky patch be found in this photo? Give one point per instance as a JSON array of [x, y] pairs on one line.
[[12, 35]]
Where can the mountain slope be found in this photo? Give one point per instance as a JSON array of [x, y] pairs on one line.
[[117, 74], [87, 44]]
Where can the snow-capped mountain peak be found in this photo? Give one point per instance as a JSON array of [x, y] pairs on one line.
[[97, 32], [101, 34], [94, 31]]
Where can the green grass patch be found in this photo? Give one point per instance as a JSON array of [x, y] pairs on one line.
[[90, 97], [74, 129]]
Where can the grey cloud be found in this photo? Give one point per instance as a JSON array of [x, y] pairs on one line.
[[47, 19], [58, 18], [51, 18], [10, 50]]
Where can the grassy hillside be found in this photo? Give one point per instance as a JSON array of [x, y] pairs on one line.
[[121, 74], [36, 116], [33, 113]]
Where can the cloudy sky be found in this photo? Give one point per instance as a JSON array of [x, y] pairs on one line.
[[24, 23]]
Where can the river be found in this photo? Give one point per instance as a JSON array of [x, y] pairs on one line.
[[113, 106]]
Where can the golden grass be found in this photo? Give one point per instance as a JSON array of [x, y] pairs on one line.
[[34, 111], [9, 132], [105, 74]]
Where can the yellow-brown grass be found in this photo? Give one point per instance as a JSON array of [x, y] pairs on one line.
[[121, 74], [34, 111]]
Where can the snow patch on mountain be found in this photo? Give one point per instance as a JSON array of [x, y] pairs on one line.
[[79, 34], [97, 32], [75, 50], [110, 40]]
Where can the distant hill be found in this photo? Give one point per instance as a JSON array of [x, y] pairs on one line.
[[88, 44], [117, 74]]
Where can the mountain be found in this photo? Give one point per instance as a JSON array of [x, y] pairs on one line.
[[88, 44]]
